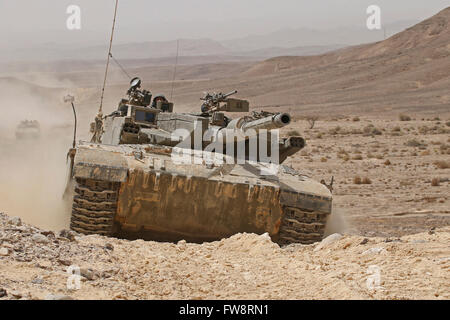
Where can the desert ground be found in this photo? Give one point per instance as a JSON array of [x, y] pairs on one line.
[[381, 129]]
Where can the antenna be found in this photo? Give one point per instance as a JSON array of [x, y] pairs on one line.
[[109, 55], [120, 66], [175, 70]]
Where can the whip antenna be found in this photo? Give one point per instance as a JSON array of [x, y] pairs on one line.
[[120, 66], [175, 70], [109, 55]]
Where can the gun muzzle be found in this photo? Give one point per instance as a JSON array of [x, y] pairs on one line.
[[272, 122]]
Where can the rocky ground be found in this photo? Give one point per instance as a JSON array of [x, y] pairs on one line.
[[36, 264], [391, 177]]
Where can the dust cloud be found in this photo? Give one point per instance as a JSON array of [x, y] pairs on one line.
[[33, 172], [337, 223]]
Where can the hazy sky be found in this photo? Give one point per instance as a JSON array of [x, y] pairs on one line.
[[29, 22]]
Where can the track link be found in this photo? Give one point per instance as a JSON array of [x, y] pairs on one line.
[[94, 207], [301, 226]]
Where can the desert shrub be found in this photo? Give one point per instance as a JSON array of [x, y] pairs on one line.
[[404, 117], [447, 123], [335, 130], [293, 133], [442, 164], [357, 180], [376, 132], [356, 131], [366, 181], [356, 119], [445, 149], [323, 159], [424, 130], [341, 153], [312, 121], [396, 129], [371, 130], [425, 153], [406, 183], [435, 182], [357, 157], [387, 162], [414, 143]]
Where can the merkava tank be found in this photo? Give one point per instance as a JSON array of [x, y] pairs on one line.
[[28, 130], [158, 175]]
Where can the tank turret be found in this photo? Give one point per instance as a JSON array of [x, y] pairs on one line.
[[140, 124]]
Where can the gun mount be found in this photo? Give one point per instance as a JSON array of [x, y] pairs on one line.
[[216, 102]]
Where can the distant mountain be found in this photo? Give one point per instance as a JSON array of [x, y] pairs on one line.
[[144, 50], [303, 37], [280, 51], [280, 43]]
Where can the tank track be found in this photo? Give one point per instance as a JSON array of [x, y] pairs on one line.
[[301, 226], [94, 207]]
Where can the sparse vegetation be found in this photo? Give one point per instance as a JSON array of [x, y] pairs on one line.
[[371, 130], [404, 117], [359, 180], [335, 130], [436, 182], [356, 131], [312, 121], [293, 133], [415, 143], [442, 164], [445, 149]]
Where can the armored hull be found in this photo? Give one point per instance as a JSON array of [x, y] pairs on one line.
[[138, 190]]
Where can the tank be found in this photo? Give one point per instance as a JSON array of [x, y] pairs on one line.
[[154, 174], [28, 130]]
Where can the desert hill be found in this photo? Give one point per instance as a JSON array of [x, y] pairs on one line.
[[429, 39], [408, 70]]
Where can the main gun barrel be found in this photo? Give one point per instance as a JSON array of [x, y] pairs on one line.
[[230, 94], [276, 121], [271, 122]]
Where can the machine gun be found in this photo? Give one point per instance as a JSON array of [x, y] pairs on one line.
[[213, 102]]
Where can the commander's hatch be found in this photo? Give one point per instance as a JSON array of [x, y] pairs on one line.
[[143, 116]]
